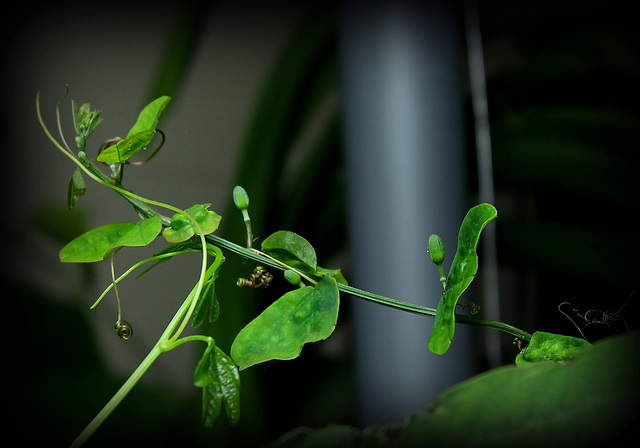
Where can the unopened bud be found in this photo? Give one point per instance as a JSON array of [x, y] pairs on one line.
[[436, 249], [240, 198], [292, 277]]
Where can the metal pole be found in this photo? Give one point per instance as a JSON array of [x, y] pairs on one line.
[[404, 136]]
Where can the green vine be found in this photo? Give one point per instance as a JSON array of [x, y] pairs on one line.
[[308, 313]]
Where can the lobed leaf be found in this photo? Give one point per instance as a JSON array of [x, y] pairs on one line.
[[462, 272], [307, 314], [95, 244]]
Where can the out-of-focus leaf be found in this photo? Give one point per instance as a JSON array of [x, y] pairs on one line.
[[588, 401]]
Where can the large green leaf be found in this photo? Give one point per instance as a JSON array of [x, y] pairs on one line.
[[461, 274], [307, 314], [591, 401], [584, 402], [139, 136], [95, 244]]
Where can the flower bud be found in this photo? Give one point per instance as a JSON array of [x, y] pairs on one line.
[[292, 277], [240, 198], [436, 249]]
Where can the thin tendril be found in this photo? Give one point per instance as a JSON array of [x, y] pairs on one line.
[[115, 286]]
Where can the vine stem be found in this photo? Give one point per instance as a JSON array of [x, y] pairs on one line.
[[160, 347], [256, 256]]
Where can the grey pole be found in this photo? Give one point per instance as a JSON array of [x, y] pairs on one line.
[[402, 65]]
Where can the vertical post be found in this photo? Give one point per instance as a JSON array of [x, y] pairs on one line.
[[491, 303], [402, 65]]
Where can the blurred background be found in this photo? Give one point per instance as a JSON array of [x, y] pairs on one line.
[[364, 127]]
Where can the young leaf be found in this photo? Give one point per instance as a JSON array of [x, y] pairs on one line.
[[551, 347], [124, 149], [181, 227], [291, 249], [85, 120], [461, 274], [307, 314], [208, 305], [219, 379], [148, 118], [335, 273], [95, 244], [139, 136], [77, 188]]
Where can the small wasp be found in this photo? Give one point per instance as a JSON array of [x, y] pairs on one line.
[[259, 278]]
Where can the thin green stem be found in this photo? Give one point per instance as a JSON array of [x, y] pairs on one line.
[[134, 267], [112, 404], [124, 390], [375, 298]]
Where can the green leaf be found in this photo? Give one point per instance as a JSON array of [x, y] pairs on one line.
[[139, 136], [77, 188], [124, 149], [181, 227], [208, 305], [85, 120], [588, 401], [307, 314], [148, 118], [219, 379], [291, 249], [95, 244], [551, 347], [461, 274], [335, 273]]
